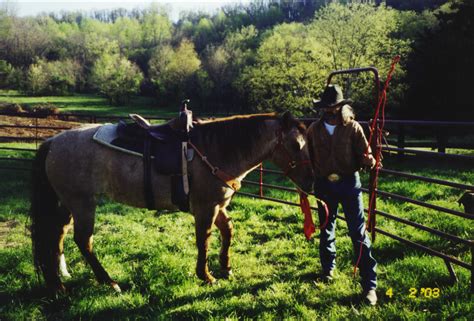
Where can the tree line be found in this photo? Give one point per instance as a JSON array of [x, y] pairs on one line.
[[266, 55]]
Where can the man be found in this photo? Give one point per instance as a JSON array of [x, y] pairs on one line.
[[338, 151]]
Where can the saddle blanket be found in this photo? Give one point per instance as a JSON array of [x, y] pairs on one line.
[[107, 134]]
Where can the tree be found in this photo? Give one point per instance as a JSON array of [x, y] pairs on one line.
[[289, 69], [24, 41], [224, 64], [440, 67], [417, 5], [128, 34], [204, 33], [156, 27], [116, 77], [52, 77], [6, 71], [172, 70], [360, 35]]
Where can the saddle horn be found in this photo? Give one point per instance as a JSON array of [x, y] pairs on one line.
[[142, 122]]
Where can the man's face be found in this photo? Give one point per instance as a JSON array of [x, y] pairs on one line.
[[334, 110], [330, 115]]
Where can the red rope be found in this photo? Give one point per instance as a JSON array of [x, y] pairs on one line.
[[382, 100], [308, 226]]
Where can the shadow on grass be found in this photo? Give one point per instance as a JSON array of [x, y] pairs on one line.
[[162, 305], [15, 184]]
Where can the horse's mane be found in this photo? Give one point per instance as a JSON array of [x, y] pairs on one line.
[[234, 136]]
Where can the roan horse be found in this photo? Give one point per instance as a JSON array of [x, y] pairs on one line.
[[71, 171]]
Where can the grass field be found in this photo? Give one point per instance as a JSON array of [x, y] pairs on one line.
[[92, 104], [152, 256]]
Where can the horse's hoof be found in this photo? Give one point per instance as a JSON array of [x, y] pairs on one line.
[[57, 290], [116, 287], [211, 280], [227, 274], [208, 279], [66, 275]]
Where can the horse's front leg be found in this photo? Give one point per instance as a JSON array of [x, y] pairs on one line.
[[224, 223], [204, 219]]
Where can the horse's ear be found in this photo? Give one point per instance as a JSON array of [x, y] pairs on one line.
[[287, 120]]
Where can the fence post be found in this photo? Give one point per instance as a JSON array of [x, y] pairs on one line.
[[376, 146], [442, 140], [401, 139]]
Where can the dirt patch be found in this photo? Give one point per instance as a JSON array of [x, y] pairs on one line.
[[6, 230], [32, 131]]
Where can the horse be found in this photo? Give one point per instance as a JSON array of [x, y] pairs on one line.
[[70, 172]]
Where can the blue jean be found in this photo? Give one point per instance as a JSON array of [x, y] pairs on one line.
[[347, 192]]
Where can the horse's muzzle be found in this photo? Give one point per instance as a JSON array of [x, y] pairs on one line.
[[307, 187]]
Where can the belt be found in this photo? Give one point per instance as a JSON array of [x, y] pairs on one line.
[[334, 178]]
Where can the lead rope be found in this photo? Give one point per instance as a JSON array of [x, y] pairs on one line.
[[382, 100], [308, 226]]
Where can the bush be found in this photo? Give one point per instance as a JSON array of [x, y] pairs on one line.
[[52, 77], [117, 78], [11, 108], [5, 71], [46, 109], [10, 77]]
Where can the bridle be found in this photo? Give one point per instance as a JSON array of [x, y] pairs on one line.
[[290, 162], [233, 183], [309, 227]]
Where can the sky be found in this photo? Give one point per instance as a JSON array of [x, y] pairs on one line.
[[34, 7]]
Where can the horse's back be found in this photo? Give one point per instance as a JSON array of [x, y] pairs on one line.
[[71, 160], [77, 166]]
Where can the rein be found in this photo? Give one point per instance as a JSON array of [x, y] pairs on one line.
[[223, 176], [308, 226], [291, 164], [230, 181]]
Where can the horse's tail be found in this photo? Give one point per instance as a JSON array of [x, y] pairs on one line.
[[48, 220]]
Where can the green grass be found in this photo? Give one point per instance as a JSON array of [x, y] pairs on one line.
[[152, 256], [92, 104]]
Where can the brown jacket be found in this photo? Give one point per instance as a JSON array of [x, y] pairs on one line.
[[341, 153]]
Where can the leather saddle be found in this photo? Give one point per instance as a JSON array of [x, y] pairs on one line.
[[164, 148], [161, 143]]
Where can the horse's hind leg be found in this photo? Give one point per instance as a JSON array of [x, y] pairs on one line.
[[83, 230], [66, 214], [224, 223]]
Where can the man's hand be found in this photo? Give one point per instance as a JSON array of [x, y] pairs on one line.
[[369, 160]]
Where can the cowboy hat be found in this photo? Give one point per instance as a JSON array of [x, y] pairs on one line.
[[331, 97]]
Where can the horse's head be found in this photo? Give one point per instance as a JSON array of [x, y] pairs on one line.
[[291, 152]]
